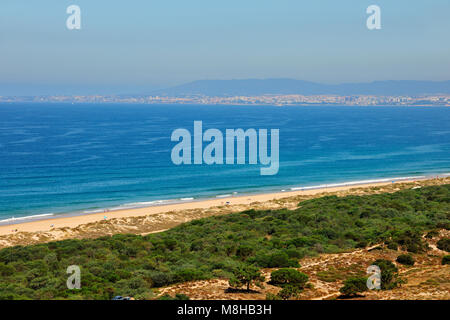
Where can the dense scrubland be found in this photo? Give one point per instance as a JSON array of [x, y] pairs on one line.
[[228, 246]]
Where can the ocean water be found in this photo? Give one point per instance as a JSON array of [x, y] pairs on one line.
[[64, 158]]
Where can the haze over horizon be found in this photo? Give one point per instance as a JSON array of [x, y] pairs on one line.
[[254, 87], [125, 48]]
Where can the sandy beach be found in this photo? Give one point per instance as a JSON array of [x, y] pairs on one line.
[[226, 205]]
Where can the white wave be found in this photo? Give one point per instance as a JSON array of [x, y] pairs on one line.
[[94, 211], [187, 199], [26, 217], [223, 196], [136, 205], [358, 182]]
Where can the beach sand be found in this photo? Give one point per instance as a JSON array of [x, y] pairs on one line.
[[159, 218]]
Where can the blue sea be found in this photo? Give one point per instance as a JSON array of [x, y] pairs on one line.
[[63, 158]]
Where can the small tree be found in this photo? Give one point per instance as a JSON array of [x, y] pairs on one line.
[[389, 273], [246, 275], [405, 259], [291, 277], [353, 286], [291, 281]]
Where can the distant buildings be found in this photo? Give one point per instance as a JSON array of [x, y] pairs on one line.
[[278, 100]]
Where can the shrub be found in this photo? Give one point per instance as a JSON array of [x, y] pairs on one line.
[[411, 241], [444, 244], [405, 259], [6, 270], [188, 274], [289, 291], [361, 244], [178, 296], [278, 259], [161, 279], [271, 296], [446, 259], [353, 286], [392, 245], [432, 234], [292, 277], [389, 273], [244, 251]]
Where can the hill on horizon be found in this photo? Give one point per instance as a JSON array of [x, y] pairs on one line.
[[291, 86]]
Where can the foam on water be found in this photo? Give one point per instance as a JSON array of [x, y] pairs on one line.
[[32, 217]]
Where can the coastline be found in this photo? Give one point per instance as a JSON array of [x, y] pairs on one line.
[[52, 223]]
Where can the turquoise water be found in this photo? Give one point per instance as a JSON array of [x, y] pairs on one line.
[[84, 158]]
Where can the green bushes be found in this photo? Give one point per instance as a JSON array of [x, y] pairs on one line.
[[217, 246], [279, 259], [446, 259], [291, 281], [444, 244], [246, 275], [292, 277], [289, 291], [6, 270], [178, 296], [432, 234], [410, 240], [405, 259], [353, 286], [389, 274], [392, 245]]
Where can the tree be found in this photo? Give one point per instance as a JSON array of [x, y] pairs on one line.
[[353, 286], [245, 276], [291, 281], [291, 277], [389, 273], [405, 259]]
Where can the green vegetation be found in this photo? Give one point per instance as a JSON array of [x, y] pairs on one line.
[[409, 240], [245, 275], [444, 244], [178, 296], [291, 281], [333, 274], [446, 259], [391, 245], [389, 274], [405, 259], [289, 291], [293, 277], [353, 286], [432, 234], [223, 246]]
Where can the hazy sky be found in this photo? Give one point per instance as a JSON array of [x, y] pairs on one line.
[[137, 45]]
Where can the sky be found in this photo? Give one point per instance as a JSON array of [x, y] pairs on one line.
[[136, 46]]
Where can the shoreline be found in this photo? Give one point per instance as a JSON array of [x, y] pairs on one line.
[[51, 223]]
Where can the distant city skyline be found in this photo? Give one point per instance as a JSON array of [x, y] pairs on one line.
[[140, 46]]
